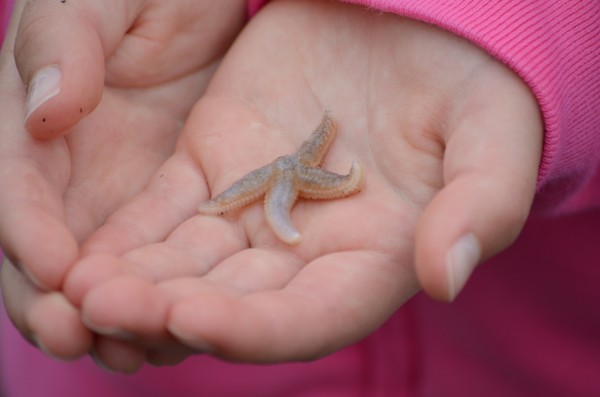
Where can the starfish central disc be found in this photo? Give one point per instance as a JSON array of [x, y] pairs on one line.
[[286, 179]]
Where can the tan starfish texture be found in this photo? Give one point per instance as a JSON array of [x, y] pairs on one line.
[[286, 179]]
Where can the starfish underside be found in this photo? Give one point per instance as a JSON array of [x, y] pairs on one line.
[[286, 179]]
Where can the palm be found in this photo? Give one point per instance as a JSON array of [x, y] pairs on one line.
[[226, 284], [360, 244], [109, 152]]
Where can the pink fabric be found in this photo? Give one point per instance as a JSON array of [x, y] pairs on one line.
[[5, 7], [526, 325]]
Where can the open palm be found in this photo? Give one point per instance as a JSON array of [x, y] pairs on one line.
[[450, 141]]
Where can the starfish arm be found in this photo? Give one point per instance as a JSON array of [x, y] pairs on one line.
[[286, 179], [317, 183], [312, 152], [278, 204], [243, 192]]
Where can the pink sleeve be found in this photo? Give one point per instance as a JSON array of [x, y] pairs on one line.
[[254, 6], [5, 8], [554, 46]]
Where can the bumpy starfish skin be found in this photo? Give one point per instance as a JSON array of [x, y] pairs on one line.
[[286, 179]]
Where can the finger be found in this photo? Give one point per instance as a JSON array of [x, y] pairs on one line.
[[46, 319], [114, 355], [253, 270], [130, 333], [137, 230], [191, 250], [119, 308], [125, 341], [57, 327], [24, 226], [60, 52], [118, 355], [169, 199], [31, 210], [134, 286], [246, 272], [161, 359], [17, 295], [490, 169], [334, 301], [33, 230], [88, 272]]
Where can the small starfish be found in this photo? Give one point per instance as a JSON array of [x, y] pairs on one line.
[[286, 179]]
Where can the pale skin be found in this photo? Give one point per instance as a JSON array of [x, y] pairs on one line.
[[449, 138]]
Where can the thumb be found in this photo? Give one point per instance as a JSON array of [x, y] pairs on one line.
[[59, 51], [490, 171]]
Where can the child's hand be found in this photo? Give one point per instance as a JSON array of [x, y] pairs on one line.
[[140, 66], [450, 140]]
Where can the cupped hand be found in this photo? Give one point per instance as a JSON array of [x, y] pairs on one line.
[[450, 140], [93, 96]]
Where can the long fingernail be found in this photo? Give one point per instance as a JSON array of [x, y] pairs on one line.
[[44, 85], [460, 263]]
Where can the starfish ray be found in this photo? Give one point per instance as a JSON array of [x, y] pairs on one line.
[[288, 178]]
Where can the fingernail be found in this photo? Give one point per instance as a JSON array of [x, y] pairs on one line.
[[124, 365], [34, 280], [460, 263], [114, 332], [44, 85], [100, 363], [44, 349], [198, 345]]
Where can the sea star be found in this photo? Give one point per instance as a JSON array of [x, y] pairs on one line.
[[286, 179]]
